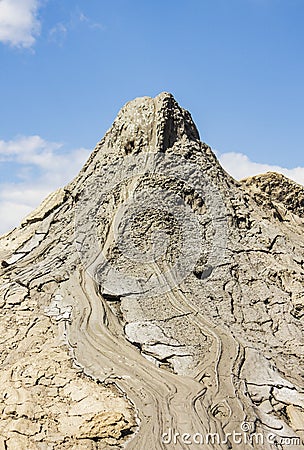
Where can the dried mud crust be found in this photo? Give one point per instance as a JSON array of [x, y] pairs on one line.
[[46, 401], [221, 348], [276, 188]]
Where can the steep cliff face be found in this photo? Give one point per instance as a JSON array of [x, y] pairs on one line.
[[154, 295]]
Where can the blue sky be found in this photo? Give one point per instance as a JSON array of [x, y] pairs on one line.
[[67, 67]]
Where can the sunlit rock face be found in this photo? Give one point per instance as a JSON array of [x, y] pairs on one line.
[[155, 302]]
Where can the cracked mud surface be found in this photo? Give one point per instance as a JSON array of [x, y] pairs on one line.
[[92, 359]]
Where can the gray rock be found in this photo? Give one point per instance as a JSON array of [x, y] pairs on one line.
[[156, 271]]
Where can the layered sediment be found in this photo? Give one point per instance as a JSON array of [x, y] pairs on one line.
[[155, 296]]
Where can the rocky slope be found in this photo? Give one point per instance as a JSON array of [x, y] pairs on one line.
[[155, 295], [277, 191]]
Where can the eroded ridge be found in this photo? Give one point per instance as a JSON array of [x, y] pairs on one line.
[[155, 302]]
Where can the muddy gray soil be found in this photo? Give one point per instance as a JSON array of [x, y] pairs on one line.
[[155, 296]]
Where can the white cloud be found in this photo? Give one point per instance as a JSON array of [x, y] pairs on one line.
[[23, 202], [58, 33], [240, 166], [19, 24], [52, 168], [60, 30], [83, 18]]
